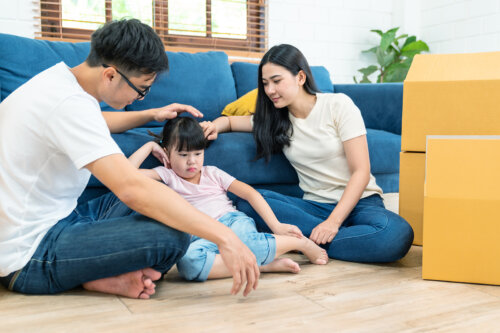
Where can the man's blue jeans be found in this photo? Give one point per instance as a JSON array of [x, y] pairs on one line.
[[370, 233], [101, 238]]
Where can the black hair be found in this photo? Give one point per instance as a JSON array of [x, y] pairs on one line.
[[272, 128], [131, 46], [182, 133]]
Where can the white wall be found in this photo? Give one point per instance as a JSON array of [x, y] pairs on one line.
[[16, 17], [333, 33], [457, 26]]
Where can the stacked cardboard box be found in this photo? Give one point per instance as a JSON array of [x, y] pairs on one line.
[[461, 209], [443, 94]]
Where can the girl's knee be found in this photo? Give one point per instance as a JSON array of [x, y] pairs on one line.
[[193, 265]]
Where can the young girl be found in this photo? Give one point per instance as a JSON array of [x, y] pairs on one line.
[[181, 150], [324, 138]]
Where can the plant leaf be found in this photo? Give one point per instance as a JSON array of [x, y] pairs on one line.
[[368, 70], [387, 39], [409, 40], [372, 50], [385, 58], [415, 46], [379, 32], [396, 72]]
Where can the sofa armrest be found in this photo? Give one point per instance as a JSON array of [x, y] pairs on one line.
[[381, 104]]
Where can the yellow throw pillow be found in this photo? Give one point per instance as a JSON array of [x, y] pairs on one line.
[[243, 106]]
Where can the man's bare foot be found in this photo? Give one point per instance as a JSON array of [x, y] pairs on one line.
[[313, 252], [138, 284], [281, 265]]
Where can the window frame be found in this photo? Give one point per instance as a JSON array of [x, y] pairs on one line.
[[51, 28]]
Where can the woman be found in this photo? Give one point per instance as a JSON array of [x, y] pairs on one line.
[[324, 138]]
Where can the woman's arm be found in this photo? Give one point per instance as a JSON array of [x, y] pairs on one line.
[[226, 124], [262, 208], [122, 121], [356, 151]]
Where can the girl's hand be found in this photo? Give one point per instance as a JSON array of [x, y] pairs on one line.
[[324, 232], [288, 230], [160, 154], [209, 130]]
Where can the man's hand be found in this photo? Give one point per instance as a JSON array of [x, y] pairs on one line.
[[173, 110], [242, 264], [324, 232], [209, 130], [287, 230]]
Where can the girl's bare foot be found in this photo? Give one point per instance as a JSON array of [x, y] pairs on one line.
[[313, 252], [281, 265], [138, 284]]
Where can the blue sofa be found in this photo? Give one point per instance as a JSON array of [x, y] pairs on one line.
[[208, 82]]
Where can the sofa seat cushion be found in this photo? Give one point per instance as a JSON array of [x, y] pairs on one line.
[[203, 80], [245, 76]]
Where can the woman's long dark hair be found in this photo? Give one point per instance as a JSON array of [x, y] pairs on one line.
[[181, 133], [272, 128]]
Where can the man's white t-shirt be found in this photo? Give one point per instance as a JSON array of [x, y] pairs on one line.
[[50, 128]]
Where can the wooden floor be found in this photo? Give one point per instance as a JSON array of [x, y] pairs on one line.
[[338, 297]]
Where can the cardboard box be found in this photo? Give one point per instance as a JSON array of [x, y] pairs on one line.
[[411, 192], [461, 209], [450, 94]]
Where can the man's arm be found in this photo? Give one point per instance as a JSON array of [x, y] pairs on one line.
[[160, 203], [121, 121]]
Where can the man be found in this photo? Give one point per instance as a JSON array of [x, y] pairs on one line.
[[53, 136]]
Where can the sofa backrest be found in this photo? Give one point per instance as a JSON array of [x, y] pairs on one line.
[[22, 58], [203, 80], [245, 77], [381, 104]]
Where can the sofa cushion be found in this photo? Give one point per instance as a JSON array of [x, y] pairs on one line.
[[22, 58], [381, 104], [231, 152], [384, 148], [243, 106], [245, 76], [203, 80]]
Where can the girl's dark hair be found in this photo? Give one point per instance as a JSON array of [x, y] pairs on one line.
[[272, 128], [131, 46], [182, 133]]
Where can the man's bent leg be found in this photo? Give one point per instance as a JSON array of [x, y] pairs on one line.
[[78, 250]]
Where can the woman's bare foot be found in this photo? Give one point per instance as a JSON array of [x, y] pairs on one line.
[[281, 265], [313, 252], [138, 284]]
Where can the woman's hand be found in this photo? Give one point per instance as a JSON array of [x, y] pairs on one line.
[[324, 232], [173, 110], [287, 230], [160, 154], [209, 129]]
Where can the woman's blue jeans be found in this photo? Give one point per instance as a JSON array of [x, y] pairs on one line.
[[370, 233], [101, 238]]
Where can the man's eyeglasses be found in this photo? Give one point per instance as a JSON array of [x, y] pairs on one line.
[[142, 93]]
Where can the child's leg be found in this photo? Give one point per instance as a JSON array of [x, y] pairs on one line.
[[311, 250], [196, 264], [219, 269], [266, 248]]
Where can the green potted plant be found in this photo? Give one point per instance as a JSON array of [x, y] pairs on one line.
[[394, 56]]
